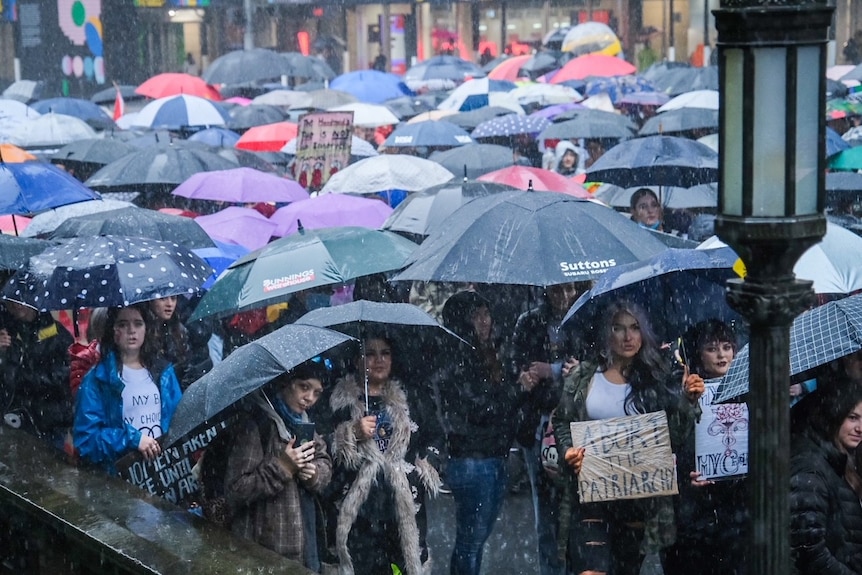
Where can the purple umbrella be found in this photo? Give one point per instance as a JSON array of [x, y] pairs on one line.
[[330, 211], [551, 112], [241, 226], [240, 186]]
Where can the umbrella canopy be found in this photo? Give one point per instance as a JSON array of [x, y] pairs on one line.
[[46, 222], [307, 259], [509, 69], [83, 158], [368, 115], [217, 137], [24, 90], [421, 212], [616, 87], [474, 160], [587, 126], [240, 186], [653, 99], [474, 94], [677, 287], [564, 239], [219, 258], [13, 154], [371, 86], [359, 148], [326, 99], [106, 271], [843, 186], [109, 95], [162, 165], [387, 172], [527, 178], [50, 130], [208, 400], [241, 66], [269, 137], [849, 159], [541, 63], [242, 226], [429, 133], [284, 99], [245, 117], [833, 264], [545, 94], [672, 197], [701, 99], [32, 187], [135, 222], [681, 79], [16, 251], [469, 120], [443, 68], [409, 106], [680, 120], [16, 110], [591, 38], [85, 110], [656, 161], [181, 112], [13, 224], [592, 65], [835, 142], [330, 211], [510, 125], [176, 83], [309, 67], [817, 336]]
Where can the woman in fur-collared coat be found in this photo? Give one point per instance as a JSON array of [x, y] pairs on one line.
[[385, 455]]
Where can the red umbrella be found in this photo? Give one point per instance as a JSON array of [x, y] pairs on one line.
[[592, 65], [522, 177], [174, 83], [12, 224], [509, 68], [268, 138]]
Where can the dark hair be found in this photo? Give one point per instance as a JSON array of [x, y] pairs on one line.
[[149, 351], [640, 193], [648, 373], [170, 337], [703, 333], [311, 369], [458, 312], [826, 407]]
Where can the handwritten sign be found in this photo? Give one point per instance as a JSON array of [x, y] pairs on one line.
[[626, 458], [170, 474], [721, 437], [323, 147]]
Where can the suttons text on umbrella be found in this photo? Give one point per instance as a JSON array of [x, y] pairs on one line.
[[586, 267]]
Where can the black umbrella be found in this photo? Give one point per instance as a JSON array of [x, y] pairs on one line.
[[443, 68], [596, 116], [408, 106], [423, 211], [529, 238], [83, 158], [241, 66], [676, 81], [474, 160], [835, 89], [586, 126], [157, 168], [680, 120], [245, 117], [469, 120], [510, 125], [308, 66], [656, 161], [109, 95], [210, 399], [542, 63], [106, 271], [15, 250], [136, 223], [495, 62]]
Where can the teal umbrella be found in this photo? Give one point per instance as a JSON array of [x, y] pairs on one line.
[[307, 259]]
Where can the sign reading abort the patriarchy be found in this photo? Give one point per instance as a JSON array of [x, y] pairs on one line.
[[626, 458], [721, 437], [170, 474]]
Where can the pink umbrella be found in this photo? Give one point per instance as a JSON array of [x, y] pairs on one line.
[[240, 186], [592, 65], [330, 211], [522, 177], [12, 224], [241, 226], [239, 100]]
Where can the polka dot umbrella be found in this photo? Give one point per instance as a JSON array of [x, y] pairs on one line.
[[106, 271]]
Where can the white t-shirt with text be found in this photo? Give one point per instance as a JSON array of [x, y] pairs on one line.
[[142, 406]]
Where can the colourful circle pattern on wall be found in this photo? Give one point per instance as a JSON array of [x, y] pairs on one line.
[[80, 21]]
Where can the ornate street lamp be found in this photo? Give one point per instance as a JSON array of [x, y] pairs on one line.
[[772, 60]]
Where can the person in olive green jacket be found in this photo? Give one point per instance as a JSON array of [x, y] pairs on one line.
[[629, 378]]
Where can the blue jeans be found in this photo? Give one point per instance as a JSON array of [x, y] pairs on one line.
[[478, 487], [546, 504]]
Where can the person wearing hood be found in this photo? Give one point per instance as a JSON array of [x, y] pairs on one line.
[[568, 159]]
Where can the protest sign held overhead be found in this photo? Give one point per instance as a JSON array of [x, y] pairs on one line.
[[323, 147]]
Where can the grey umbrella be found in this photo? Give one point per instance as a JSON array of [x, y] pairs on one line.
[[474, 160], [469, 120], [680, 120], [817, 337], [586, 126], [243, 66], [245, 117], [46, 222], [15, 250]]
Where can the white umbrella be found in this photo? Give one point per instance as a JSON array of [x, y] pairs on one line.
[[181, 111], [702, 196], [387, 172], [48, 131], [16, 110], [358, 147], [545, 94], [48, 221], [706, 99], [284, 99], [368, 115]]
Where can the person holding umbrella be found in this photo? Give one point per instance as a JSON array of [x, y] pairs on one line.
[[629, 377], [127, 400], [386, 453], [277, 464]]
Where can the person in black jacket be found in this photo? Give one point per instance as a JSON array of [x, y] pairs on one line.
[[825, 512]]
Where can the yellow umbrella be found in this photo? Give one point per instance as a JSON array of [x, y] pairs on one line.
[[592, 38]]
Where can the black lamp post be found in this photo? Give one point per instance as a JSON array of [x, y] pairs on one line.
[[772, 60]]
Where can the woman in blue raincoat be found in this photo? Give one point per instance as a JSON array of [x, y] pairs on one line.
[[127, 400]]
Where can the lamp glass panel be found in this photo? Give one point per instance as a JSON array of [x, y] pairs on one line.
[[770, 131], [807, 128], [731, 149]]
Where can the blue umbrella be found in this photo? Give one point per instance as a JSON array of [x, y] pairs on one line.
[[835, 143], [183, 111], [474, 94], [83, 109], [32, 187], [511, 125], [218, 137], [429, 133], [617, 86], [371, 86], [219, 258], [677, 287]]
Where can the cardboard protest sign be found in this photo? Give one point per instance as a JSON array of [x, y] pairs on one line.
[[170, 474], [721, 437], [626, 458], [322, 147]]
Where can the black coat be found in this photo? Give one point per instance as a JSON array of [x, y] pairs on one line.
[[825, 512]]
